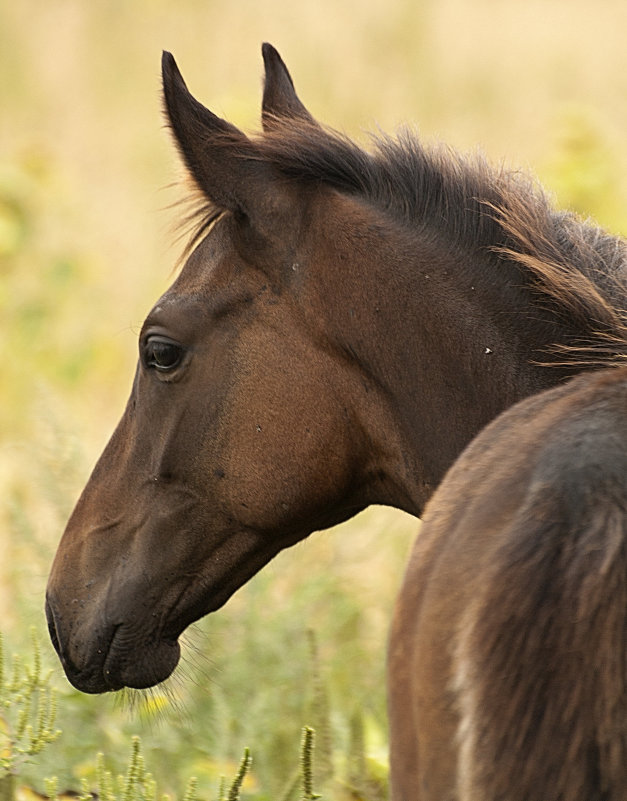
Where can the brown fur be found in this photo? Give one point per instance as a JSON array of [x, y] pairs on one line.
[[576, 269], [344, 324], [514, 611]]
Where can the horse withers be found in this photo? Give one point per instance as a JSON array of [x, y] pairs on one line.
[[508, 654], [346, 321]]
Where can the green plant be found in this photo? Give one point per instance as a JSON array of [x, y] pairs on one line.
[[138, 784], [28, 708], [236, 786], [306, 760]]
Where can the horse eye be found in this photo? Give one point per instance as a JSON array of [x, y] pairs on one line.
[[162, 354]]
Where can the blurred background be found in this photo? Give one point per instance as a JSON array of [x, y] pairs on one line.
[[87, 183]]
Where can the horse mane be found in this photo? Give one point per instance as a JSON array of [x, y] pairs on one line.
[[574, 268]]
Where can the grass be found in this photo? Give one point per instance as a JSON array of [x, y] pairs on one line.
[[86, 246]]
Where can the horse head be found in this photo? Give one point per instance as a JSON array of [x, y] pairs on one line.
[[249, 424]]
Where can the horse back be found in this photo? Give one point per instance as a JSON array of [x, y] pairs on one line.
[[510, 633]]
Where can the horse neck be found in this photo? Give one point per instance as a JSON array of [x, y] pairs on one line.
[[446, 344]]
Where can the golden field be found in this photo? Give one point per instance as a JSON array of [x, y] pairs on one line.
[[88, 187]]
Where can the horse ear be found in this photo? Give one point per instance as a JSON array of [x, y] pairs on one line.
[[220, 158], [279, 96]]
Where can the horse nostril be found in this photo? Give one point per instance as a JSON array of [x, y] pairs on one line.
[[52, 628]]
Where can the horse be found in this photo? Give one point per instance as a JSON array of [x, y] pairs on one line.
[[345, 321], [509, 645]]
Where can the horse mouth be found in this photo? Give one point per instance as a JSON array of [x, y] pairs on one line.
[[116, 659]]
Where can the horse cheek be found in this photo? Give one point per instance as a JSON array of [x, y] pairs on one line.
[[282, 466]]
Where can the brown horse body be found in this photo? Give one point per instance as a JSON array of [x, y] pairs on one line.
[[345, 324], [508, 654]]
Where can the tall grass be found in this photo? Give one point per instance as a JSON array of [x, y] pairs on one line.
[[86, 247]]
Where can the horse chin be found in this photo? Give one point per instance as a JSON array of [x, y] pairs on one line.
[[138, 671], [141, 667]]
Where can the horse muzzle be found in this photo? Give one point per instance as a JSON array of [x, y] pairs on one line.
[[101, 657]]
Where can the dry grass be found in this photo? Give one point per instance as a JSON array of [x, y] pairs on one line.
[[80, 107], [541, 83]]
